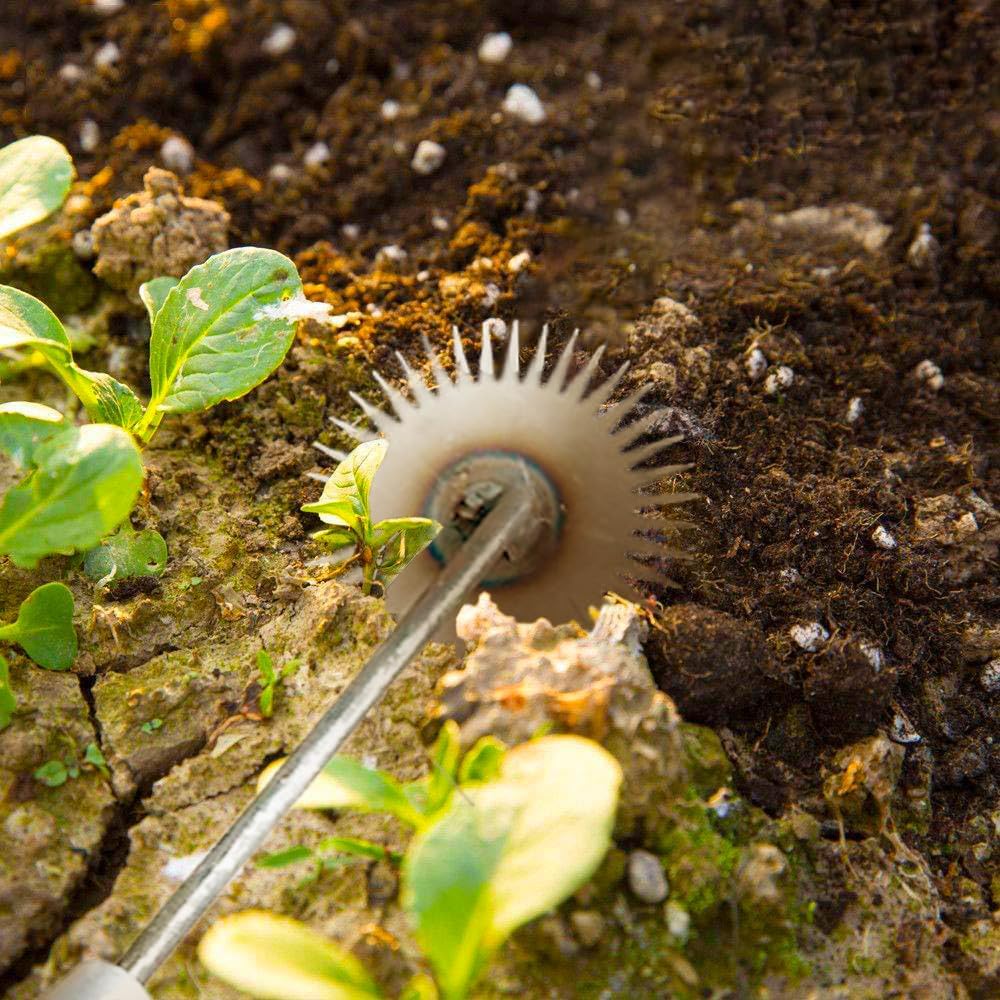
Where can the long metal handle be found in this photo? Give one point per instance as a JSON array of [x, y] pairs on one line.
[[505, 525]]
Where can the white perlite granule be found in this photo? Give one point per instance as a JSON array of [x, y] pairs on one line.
[[522, 102], [428, 156], [107, 55], [90, 135], [883, 538], [495, 48], [809, 637], [177, 154], [298, 307], [756, 364], [279, 41], [781, 378], [316, 155], [929, 373]]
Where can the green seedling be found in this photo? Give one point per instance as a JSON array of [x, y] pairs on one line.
[[151, 726], [500, 838], [44, 630], [54, 773], [270, 679], [216, 334], [383, 549], [35, 176]]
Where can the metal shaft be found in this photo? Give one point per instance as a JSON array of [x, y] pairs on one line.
[[510, 520]]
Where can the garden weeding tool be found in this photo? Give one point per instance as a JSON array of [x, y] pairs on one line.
[[535, 480]]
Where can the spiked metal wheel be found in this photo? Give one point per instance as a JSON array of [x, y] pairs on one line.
[[453, 445]]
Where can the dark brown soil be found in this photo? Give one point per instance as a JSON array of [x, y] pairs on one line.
[[665, 177]]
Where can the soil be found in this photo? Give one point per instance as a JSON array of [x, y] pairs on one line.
[[785, 216]]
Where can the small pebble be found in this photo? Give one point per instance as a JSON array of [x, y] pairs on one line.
[[622, 216], [873, 654], [588, 926], [440, 223], [280, 173], [107, 55], [71, 73], [108, 7], [756, 364], [809, 637], [90, 135], [929, 373], [279, 41], [316, 155], [593, 80], [495, 48], [678, 921], [495, 328], [789, 575], [883, 538], [177, 154], [990, 676], [532, 200], [519, 261], [393, 253], [332, 67], [646, 878], [924, 250], [83, 244], [427, 157], [522, 102], [902, 730], [350, 230], [492, 295], [389, 110], [855, 408], [779, 379]]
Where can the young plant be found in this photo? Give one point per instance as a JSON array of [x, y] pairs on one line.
[[383, 549], [501, 838], [216, 334], [270, 678], [44, 630], [35, 175]]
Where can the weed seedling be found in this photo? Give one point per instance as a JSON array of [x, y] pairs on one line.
[[382, 549], [270, 679]]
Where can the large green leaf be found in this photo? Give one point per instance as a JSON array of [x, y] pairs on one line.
[[507, 851], [85, 483], [35, 175], [44, 627], [154, 293], [346, 784], [278, 958], [344, 500], [26, 426], [8, 703], [221, 330]]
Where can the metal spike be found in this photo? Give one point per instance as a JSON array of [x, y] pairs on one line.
[[353, 431], [638, 428], [421, 393], [606, 388], [624, 407], [486, 354], [396, 399], [656, 550], [335, 453], [462, 370], [650, 520], [584, 377], [558, 376], [378, 417], [537, 364], [437, 370], [656, 487], [643, 453], [317, 477], [511, 366]]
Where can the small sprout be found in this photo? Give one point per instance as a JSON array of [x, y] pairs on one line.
[[883, 538], [809, 637], [93, 756], [152, 725], [778, 380], [495, 47], [54, 773], [522, 102], [383, 549], [928, 373], [428, 157], [270, 678]]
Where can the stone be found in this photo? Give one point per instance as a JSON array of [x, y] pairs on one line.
[[646, 878]]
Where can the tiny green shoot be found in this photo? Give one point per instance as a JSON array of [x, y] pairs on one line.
[[383, 549], [152, 725], [270, 678]]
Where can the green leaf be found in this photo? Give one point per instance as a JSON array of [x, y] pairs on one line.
[[336, 538], [397, 540], [44, 627], [507, 851], [346, 784], [151, 726], [8, 703], [127, 554], [266, 666], [86, 481], [154, 293], [355, 846], [106, 399], [482, 762], [25, 426], [344, 501], [277, 958], [221, 331], [93, 756], [291, 856], [52, 773], [35, 175], [444, 766]]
